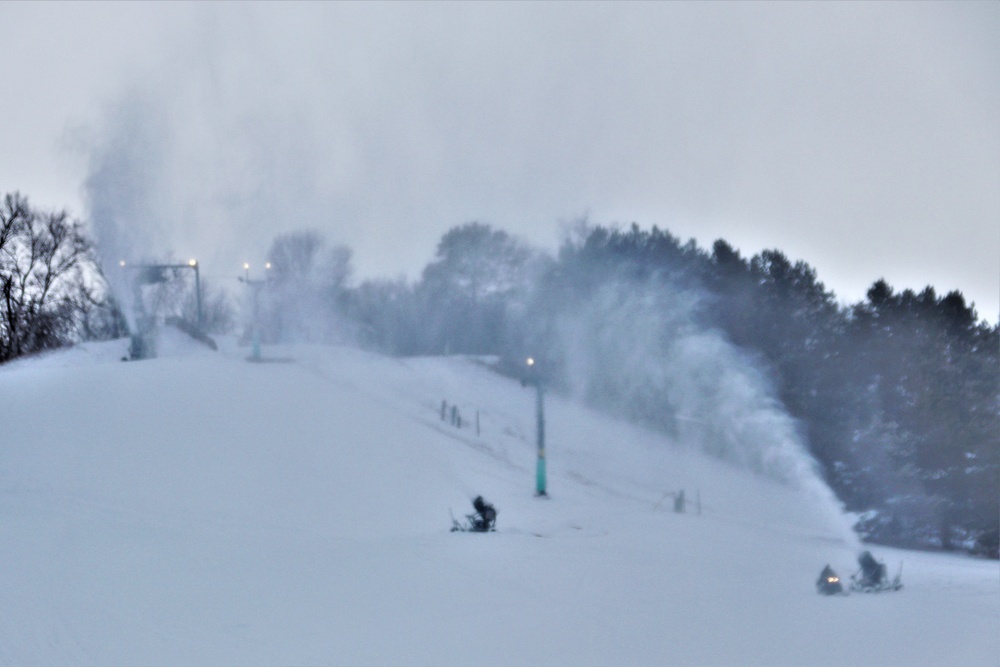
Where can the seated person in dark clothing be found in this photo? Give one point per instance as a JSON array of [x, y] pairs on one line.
[[485, 516], [872, 571]]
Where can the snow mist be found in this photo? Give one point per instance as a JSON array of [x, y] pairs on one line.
[[631, 346]]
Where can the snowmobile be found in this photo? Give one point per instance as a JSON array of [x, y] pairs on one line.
[[828, 582], [873, 576], [483, 520]]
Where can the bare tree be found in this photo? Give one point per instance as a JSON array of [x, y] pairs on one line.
[[41, 260]]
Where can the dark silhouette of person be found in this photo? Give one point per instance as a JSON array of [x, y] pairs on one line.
[[486, 515], [872, 571]]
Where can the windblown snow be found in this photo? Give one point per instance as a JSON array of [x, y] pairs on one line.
[[200, 509]]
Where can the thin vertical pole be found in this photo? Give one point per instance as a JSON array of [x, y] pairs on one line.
[[540, 467], [197, 292], [255, 342]]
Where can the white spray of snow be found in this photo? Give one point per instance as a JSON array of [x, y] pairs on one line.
[[632, 347]]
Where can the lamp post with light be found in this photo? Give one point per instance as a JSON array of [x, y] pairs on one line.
[[197, 291], [255, 285], [534, 377], [151, 274]]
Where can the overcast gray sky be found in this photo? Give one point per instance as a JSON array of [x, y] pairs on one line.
[[863, 138]]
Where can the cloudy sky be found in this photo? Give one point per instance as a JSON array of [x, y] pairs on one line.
[[863, 138]]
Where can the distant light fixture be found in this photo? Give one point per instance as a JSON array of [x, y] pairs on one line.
[[530, 362], [121, 263], [193, 262], [267, 265], [246, 266]]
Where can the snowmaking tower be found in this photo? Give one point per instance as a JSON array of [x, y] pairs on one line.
[[150, 303]]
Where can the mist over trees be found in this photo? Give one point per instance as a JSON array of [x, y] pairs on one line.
[[472, 298], [303, 296], [896, 398], [474, 289]]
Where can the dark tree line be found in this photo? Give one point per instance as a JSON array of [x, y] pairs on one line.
[[897, 397]]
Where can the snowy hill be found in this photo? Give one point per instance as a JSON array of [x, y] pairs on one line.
[[199, 509]]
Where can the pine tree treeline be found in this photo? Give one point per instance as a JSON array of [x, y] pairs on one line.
[[898, 397]]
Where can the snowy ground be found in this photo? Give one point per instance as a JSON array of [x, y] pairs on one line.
[[199, 509]]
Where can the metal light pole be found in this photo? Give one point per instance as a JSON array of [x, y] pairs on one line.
[[255, 285], [151, 276], [148, 274], [535, 378], [197, 292]]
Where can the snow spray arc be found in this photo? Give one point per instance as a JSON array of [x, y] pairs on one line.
[[638, 349]]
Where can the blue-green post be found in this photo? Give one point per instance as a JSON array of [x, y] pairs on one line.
[[540, 467], [535, 378]]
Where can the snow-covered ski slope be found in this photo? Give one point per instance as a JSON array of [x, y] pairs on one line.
[[200, 509]]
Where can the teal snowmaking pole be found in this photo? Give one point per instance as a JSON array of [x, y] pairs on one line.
[[256, 286], [535, 378], [540, 466]]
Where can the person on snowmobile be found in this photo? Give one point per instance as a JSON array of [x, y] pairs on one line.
[[873, 573], [828, 582], [485, 515]]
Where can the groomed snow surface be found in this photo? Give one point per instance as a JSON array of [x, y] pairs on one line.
[[200, 509]]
